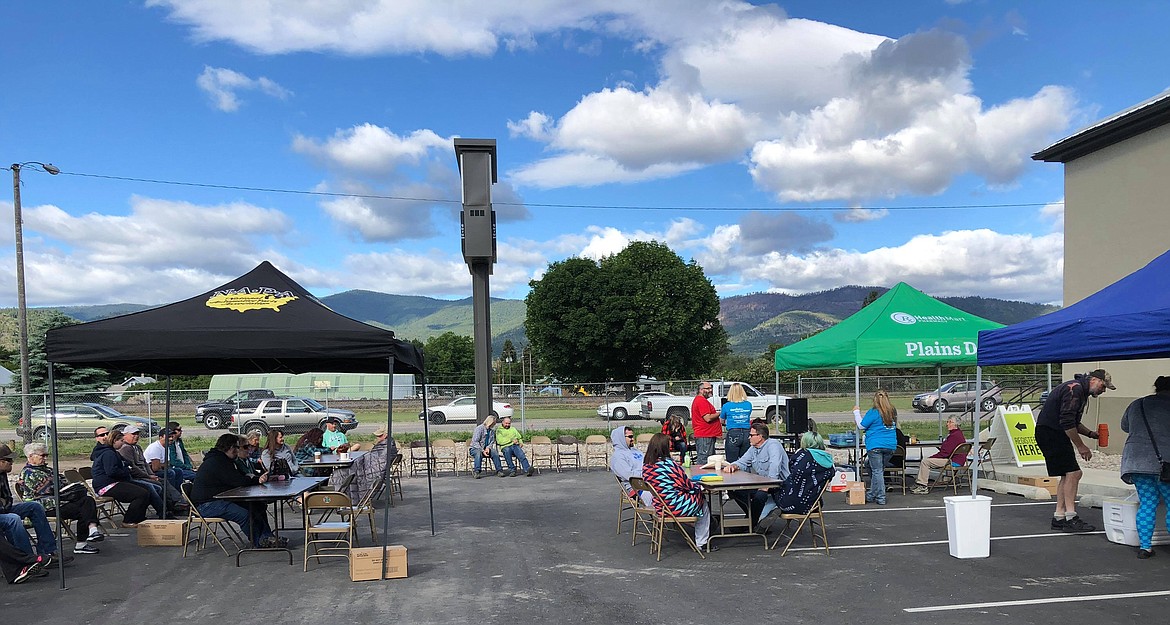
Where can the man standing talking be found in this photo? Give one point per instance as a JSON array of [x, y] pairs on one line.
[[1058, 431], [705, 422]]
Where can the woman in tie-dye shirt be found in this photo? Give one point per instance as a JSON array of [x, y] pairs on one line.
[[681, 495]]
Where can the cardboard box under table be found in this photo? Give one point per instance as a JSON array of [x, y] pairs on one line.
[[159, 533], [365, 563]]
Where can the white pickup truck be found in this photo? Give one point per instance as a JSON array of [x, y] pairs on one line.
[[772, 408]]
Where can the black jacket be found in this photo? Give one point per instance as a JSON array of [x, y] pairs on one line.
[[217, 474]]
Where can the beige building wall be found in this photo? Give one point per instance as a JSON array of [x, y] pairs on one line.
[[1115, 222]]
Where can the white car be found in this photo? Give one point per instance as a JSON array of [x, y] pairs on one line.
[[463, 409], [621, 410]]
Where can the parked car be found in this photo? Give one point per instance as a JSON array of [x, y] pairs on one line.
[[292, 414], [958, 395], [463, 409], [216, 414], [80, 420], [621, 410]]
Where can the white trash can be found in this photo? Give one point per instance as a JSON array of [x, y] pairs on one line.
[[969, 525]]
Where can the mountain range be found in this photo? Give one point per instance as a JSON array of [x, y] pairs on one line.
[[753, 322]]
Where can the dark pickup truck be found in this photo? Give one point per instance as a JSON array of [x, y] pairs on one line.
[[216, 415]]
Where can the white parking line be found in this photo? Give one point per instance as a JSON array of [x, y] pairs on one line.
[[889, 509], [999, 604], [939, 542]]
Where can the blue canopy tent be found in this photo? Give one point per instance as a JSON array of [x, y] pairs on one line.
[[1123, 321]]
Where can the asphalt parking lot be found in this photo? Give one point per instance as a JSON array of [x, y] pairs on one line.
[[541, 549]]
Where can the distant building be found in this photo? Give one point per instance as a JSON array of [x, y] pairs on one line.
[[319, 386], [1116, 179]]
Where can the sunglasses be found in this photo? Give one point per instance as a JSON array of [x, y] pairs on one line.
[[100, 434]]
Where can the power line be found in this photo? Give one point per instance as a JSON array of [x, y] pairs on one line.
[[399, 198]]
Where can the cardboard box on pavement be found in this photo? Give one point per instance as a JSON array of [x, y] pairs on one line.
[[159, 533], [365, 563], [855, 493], [1047, 483]]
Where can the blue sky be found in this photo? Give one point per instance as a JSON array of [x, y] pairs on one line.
[[787, 147]]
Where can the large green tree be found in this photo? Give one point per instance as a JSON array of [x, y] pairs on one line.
[[642, 311], [450, 359]]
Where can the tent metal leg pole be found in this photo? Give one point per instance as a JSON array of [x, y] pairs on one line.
[[427, 439], [56, 472], [975, 432], [938, 372], [386, 468], [857, 438]]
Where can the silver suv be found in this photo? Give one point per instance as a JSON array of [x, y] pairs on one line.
[[958, 395], [292, 414]]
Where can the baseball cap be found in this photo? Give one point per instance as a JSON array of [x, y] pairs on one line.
[[131, 429], [1104, 376], [381, 431], [6, 453]]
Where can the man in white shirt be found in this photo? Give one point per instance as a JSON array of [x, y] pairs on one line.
[[156, 456]]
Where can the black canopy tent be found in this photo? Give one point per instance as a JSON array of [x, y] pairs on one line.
[[261, 322]]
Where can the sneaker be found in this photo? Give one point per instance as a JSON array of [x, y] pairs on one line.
[[1057, 524], [478, 474], [1145, 553], [765, 523], [96, 536], [708, 547], [25, 574], [40, 568], [501, 474], [86, 548], [512, 474], [920, 490], [1076, 525], [531, 471], [58, 559]]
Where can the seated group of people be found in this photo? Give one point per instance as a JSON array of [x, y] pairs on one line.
[[486, 438], [237, 461], [803, 477]]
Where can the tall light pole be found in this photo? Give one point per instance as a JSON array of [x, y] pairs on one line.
[[21, 307]]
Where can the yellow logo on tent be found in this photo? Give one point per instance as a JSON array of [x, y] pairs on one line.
[[245, 299]]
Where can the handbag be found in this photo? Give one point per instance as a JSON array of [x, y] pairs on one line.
[[72, 493], [1164, 473]]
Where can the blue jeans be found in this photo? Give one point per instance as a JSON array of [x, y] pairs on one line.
[[878, 459], [478, 454], [174, 476], [241, 516], [515, 451], [12, 526], [704, 448], [735, 445], [156, 501]]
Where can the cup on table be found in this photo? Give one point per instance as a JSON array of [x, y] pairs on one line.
[[316, 456], [344, 456]]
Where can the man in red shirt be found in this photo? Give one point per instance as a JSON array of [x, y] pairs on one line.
[[939, 460], [705, 422]]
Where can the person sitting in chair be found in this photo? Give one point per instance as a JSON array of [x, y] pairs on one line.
[[40, 485], [333, 438], [13, 514], [764, 457], [809, 469], [483, 443], [218, 474], [626, 461], [939, 460], [510, 442]]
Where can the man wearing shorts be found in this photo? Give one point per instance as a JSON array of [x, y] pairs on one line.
[[1058, 432]]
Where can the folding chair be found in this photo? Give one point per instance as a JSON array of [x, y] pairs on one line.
[[641, 515], [420, 456], [443, 455], [663, 516], [985, 457], [365, 507], [107, 507], [395, 478], [815, 516], [327, 502], [208, 526], [897, 469], [950, 475], [596, 447], [535, 456], [568, 452]]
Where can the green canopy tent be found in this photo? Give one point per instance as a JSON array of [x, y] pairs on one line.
[[903, 328]]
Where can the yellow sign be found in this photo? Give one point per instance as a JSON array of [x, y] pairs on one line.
[[245, 299], [1021, 428]]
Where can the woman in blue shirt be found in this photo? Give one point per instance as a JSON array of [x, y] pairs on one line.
[[736, 415], [881, 439]]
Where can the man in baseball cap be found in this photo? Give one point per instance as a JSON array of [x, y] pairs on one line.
[[1058, 434]]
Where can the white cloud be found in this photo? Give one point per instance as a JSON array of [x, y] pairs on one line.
[[370, 149], [222, 86], [587, 170], [1054, 213], [858, 215]]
